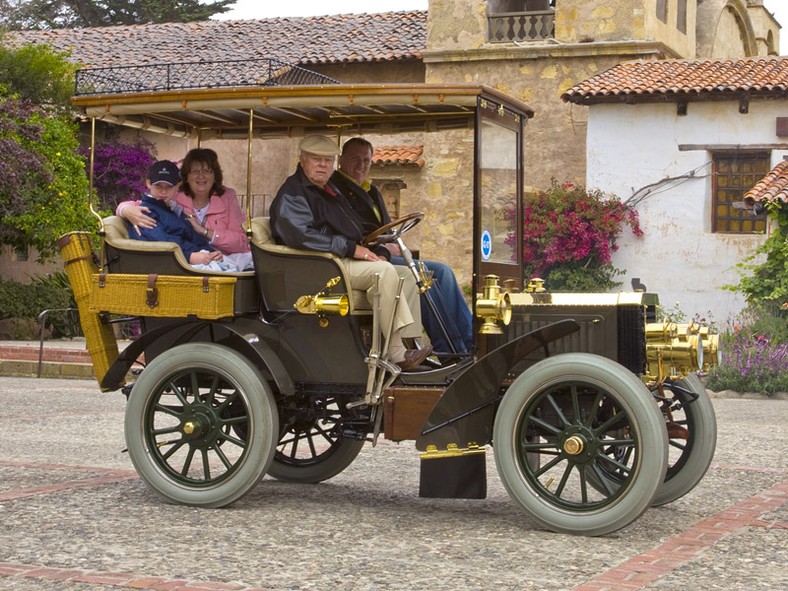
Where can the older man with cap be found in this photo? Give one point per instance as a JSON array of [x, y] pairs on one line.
[[310, 212]]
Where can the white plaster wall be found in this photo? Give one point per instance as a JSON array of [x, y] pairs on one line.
[[632, 146]]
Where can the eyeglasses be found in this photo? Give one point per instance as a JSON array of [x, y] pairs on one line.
[[201, 171]]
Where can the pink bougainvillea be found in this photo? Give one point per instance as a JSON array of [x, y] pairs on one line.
[[568, 226]]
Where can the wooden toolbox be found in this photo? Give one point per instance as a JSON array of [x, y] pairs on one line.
[[406, 409]]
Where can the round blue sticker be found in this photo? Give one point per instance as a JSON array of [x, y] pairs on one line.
[[486, 245]]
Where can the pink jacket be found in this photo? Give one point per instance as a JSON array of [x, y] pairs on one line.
[[224, 217]]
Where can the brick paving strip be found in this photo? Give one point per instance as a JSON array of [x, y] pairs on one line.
[[106, 476], [643, 569], [631, 575], [49, 354]]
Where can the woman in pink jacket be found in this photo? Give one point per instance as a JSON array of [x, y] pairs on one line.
[[209, 206]]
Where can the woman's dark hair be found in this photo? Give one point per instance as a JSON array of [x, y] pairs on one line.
[[207, 158]]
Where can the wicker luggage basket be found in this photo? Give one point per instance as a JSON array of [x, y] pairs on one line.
[[80, 266], [166, 296]]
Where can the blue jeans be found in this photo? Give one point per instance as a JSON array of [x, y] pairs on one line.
[[451, 307]]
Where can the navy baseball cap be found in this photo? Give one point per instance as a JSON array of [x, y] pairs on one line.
[[164, 171]]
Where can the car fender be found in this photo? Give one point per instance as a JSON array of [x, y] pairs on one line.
[[242, 340], [466, 410]]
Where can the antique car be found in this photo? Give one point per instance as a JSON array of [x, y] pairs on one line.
[[591, 405]]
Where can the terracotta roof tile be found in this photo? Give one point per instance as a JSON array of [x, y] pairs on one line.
[[399, 156], [308, 40], [640, 81], [772, 187]]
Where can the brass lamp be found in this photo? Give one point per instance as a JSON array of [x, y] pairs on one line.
[[495, 308], [324, 303]]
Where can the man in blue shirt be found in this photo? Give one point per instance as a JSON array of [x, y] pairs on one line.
[[352, 179]]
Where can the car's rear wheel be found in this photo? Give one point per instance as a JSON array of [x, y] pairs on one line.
[[201, 425], [692, 438]]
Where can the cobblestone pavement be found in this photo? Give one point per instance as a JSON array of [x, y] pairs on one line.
[[76, 517]]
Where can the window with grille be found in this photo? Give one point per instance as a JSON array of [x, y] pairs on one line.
[[734, 175]]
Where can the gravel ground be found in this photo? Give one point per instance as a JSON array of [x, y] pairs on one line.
[[70, 501]]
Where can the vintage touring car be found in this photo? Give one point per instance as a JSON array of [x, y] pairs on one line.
[[590, 404]]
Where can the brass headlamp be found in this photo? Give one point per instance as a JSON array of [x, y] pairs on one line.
[[495, 308], [324, 303], [712, 353], [672, 349]]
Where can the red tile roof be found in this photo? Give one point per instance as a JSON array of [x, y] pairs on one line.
[[641, 81], [399, 156], [308, 40], [772, 187]]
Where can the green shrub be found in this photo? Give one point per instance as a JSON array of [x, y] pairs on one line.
[[582, 277], [49, 292], [768, 281]]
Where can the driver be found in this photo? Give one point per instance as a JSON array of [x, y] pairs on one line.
[[309, 212], [352, 179]]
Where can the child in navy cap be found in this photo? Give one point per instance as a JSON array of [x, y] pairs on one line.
[[162, 180]]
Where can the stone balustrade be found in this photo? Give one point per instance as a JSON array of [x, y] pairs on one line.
[[506, 27]]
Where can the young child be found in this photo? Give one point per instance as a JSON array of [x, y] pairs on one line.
[[162, 180]]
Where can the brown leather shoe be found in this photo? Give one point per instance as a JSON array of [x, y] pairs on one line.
[[414, 358]]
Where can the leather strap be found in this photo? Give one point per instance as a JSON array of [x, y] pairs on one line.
[[87, 257], [152, 297]]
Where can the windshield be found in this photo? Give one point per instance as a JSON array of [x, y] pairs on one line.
[[499, 189]]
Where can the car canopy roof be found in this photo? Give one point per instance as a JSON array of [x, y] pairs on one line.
[[288, 110]]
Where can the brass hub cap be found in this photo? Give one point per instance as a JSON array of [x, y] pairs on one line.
[[190, 427], [574, 445]]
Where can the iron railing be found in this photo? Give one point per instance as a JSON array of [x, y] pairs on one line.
[[42, 320], [506, 27], [186, 75]]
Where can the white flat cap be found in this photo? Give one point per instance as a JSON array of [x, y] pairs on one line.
[[319, 145]]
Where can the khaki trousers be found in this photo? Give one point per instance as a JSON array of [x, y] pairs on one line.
[[408, 316]]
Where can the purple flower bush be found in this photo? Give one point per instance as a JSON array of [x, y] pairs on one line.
[[119, 170], [754, 354]]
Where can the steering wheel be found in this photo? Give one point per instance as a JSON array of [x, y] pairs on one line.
[[393, 230]]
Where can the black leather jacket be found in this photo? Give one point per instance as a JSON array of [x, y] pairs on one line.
[[368, 204], [304, 215]]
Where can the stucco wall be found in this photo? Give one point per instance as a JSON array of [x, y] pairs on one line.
[[555, 136], [456, 25], [24, 271], [766, 28], [683, 43], [579, 21], [632, 146]]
